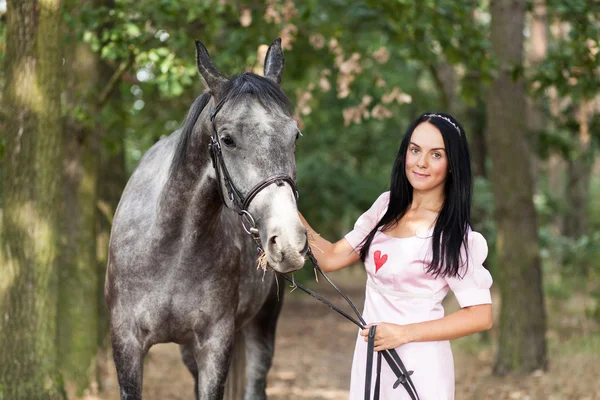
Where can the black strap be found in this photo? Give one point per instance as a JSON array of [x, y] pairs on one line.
[[278, 179], [378, 379], [404, 380], [233, 193], [369, 369], [396, 365], [404, 375]]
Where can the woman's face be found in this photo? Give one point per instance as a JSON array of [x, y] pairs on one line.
[[426, 159]]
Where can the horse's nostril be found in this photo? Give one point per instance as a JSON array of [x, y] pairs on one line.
[[273, 241]]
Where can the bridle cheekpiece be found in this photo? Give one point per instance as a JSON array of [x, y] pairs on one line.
[[235, 196]]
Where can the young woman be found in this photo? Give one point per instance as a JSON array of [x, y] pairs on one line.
[[416, 243]]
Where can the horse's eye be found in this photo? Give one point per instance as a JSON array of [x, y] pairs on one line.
[[228, 141]]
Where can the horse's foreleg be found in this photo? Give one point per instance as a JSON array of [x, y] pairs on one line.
[[259, 336], [128, 355], [187, 355], [212, 352]]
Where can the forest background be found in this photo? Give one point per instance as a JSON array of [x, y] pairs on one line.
[[86, 87]]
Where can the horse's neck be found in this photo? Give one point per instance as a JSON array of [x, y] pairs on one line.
[[190, 198]]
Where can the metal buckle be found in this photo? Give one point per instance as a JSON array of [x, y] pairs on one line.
[[213, 147], [247, 219]]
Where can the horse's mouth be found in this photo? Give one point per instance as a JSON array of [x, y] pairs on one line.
[[305, 249]]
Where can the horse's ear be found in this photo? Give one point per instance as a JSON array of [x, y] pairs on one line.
[[274, 62], [213, 78]]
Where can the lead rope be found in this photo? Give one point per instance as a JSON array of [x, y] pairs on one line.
[[390, 356]]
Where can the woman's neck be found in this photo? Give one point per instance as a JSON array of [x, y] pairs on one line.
[[427, 201]]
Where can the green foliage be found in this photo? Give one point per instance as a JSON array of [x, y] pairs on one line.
[[433, 31], [554, 141], [594, 205], [577, 254], [572, 69], [163, 81], [571, 266], [572, 64], [341, 167], [577, 344]]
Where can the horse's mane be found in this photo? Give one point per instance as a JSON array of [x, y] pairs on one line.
[[265, 90]]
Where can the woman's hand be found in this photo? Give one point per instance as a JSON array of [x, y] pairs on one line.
[[464, 322], [330, 256], [388, 336]]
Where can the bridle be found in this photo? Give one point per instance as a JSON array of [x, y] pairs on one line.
[[235, 196], [241, 204]]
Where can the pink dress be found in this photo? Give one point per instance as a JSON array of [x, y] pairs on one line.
[[400, 291]]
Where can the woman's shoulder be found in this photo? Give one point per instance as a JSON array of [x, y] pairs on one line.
[[381, 204], [476, 241], [383, 197]]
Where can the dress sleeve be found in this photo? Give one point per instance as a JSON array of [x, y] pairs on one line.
[[474, 286], [368, 220]]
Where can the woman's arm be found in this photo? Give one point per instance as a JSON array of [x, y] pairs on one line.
[[464, 322], [330, 256]]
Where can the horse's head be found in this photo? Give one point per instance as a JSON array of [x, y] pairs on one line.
[[254, 138]]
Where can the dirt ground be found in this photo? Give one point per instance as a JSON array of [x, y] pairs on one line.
[[314, 349]]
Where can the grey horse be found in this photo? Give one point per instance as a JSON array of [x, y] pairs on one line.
[[181, 266]]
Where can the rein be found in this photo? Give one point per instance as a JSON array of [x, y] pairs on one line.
[[241, 204], [390, 356]]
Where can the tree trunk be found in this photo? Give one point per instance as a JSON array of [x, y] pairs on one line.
[[578, 176], [476, 132], [522, 347], [32, 202], [444, 77], [77, 312], [475, 122], [579, 173], [556, 165], [536, 53]]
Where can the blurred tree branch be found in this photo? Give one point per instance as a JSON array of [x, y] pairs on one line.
[[115, 79]]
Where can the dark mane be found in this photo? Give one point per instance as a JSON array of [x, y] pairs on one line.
[[265, 90], [187, 130]]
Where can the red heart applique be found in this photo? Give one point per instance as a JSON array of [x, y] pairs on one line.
[[379, 260]]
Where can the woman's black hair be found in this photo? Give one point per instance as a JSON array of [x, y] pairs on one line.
[[453, 221]]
